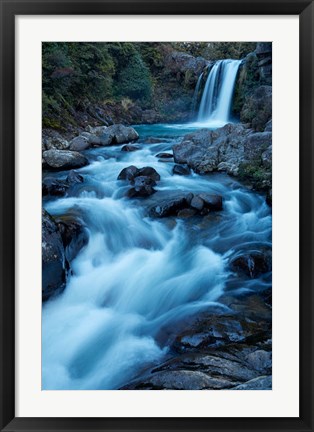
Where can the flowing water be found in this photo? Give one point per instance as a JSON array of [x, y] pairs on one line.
[[138, 276], [216, 101]]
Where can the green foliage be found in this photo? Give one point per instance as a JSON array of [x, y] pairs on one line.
[[134, 80], [256, 174]]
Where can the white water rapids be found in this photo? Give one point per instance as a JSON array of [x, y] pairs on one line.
[[137, 277]]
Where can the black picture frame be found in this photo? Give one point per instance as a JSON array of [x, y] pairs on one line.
[[8, 10]]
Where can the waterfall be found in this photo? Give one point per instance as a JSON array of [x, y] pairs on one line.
[[217, 96], [195, 96]]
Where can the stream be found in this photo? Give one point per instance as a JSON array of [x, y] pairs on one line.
[[138, 276]]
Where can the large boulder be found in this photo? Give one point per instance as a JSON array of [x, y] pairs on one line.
[[53, 140], [79, 143], [184, 66], [118, 134], [64, 159], [234, 149], [53, 258]]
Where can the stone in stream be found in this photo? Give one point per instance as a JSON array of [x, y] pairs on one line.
[[54, 187], [164, 155], [149, 172], [53, 259], [63, 159], [252, 264], [211, 201], [128, 173], [169, 206], [74, 177], [131, 172], [74, 236], [130, 148], [142, 187], [197, 203], [181, 170]]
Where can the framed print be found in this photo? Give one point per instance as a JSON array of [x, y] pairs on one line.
[[156, 215]]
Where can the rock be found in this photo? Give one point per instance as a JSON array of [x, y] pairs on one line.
[[169, 207], [211, 201], [197, 203], [164, 155], [54, 187], [64, 159], [97, 130], [257, 109], [220, 331], [186, 213], [131, 172], [74, 178], [79, 143], [149, 172], [118, 134], [181, 170], [74, 237], [260, 360], [260, 383], [130, 148], [143, 186], [53, 140], [234, 148], [267, 157], [180, 380], [269, 126], [153, 140], [252, 264], [185, 67], [128, 173], [53, 259]]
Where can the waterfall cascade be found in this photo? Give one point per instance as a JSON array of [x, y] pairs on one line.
[[218, 92]]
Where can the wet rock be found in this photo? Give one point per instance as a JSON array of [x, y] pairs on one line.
[[74, 237], [54, 187], [128, 173], [74, 178], [164, 155], [79, 143], [197, 203], [260, 383], [149, 172], [64, 159], [169, 207], [220, 330], [53, 259], [252, 264], [186, 213], [211, 201], [153, 140], [181, 170], [142, 187], [130, 148]]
